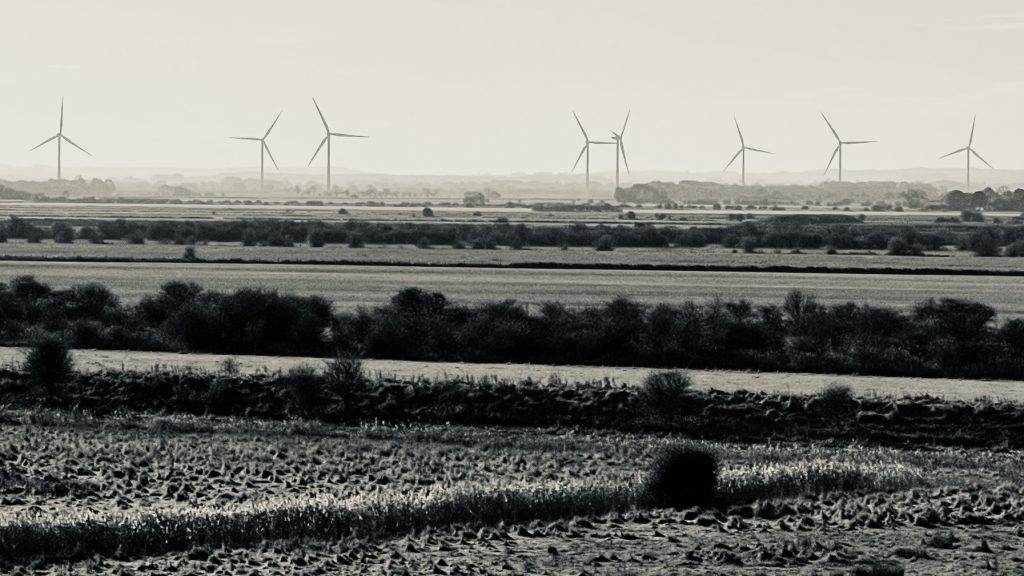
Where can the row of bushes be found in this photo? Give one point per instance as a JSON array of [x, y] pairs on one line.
[[953, 338]]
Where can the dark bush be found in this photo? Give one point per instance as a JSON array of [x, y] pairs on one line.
[[49, 366], [605, 243], [190, 254], [136, 237], [62, 233], [356, 241], [428, 212], [836, 401], [682, 476], [898, 246], [316, 238], [305, 391], [663, 395], [344, 381], [972, 216], [423, 243]]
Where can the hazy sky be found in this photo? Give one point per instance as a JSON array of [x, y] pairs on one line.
[[475, 86]]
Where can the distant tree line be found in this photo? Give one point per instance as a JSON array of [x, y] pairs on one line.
[[951, 338], [987, 199], [791, 232]]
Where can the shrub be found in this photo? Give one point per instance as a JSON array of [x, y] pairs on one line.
[[136, 237], [345, 381], [484, 243], [972, 216], [1014, 249], [836, 400], [428, 212], [305, 390], [682, 476], [423, 243], [190, 254], [49, 365], [606, 243], [663, 394], [749, 244], [458, 244], [897, 246], [229, 366], [316, 238], [62, 233]]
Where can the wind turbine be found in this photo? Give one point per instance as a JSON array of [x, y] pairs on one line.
[[742, 154], [263, 146], [586, 149], [327, 140], [970, 150], [59, 136], [620, 147], [839, 148]]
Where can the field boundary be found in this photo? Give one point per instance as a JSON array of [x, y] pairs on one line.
[[781, 269]]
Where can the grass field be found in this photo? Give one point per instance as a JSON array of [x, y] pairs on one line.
[[352, 286], [730, 381], [178, 495], [952, 260]]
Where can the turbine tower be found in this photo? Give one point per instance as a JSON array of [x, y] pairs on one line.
[[620, 148], [263, 146], [839, 148], [327, 140], [59, 136], [742, 154], [969, 149], [586, 149]]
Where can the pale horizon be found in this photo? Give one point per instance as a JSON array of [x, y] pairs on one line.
[[488, 88]]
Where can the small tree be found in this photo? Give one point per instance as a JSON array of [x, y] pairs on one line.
[[428, 212], [605, 243], [663, 395], [49, 365], [190, 254], [345, 381]]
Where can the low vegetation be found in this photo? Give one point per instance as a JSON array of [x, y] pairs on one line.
[[947, 337]]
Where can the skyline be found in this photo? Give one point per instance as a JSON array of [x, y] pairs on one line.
[[502, 107]]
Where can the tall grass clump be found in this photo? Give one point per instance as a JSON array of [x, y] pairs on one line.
[[663, 395], [682, 476], [49, 366]]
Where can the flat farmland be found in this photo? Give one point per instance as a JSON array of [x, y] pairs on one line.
[[952, 260], [726, 380], [355, 285]]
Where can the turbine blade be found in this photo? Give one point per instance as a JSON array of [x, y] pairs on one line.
[[347, 135], [50, 139], [738, 131], [585, 137], [971, 139], [834, 133], [834, 152], [61, 128], [578, 158], [622, 147], [626, 121], [759, 150], [978, 156], [861, 142], [957, 151], [272, 124], [79, 147], [322, 142], [267, 148], [738, 152], [244, 138], [322, 119]]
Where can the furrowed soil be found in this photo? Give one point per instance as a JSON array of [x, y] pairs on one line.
[[961, 518]]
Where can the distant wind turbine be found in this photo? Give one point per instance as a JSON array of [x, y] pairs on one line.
[[839, 148], [586, 149], [742, 154], [969, 150], [620, 148], [327, 140], [59, 136], [263, 146]]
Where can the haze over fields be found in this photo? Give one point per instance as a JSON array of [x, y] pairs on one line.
[[461, 87]]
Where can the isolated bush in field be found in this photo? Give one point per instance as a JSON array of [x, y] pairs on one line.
[[428, 212], [190, 254], [344, 380], [682, 476], [356, 241], [605, 243], [663, 395], [49, 365], [836, 401], [62, 233]]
